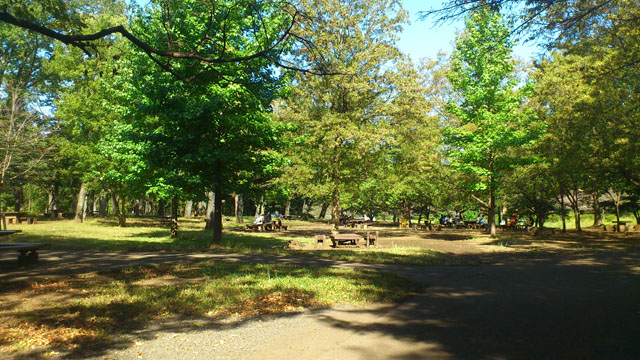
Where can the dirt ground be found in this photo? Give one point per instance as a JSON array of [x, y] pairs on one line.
[[474, 242]]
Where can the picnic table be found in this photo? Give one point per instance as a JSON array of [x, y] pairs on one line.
[[28, 251], [342, 239], [16, 217]]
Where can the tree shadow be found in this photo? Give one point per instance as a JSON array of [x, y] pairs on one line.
[[116, 319], [562, 308]]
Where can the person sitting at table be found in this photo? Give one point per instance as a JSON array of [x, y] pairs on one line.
[[503, 222], [442, 220], [514, 219], [258, 220], [481, 220]]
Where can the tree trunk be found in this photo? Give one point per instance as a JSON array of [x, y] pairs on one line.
[[304, 206], [287, 208], [161, 207], [210, 209], [148, 206], [19, 197], [173, 232], [102, 210], [239, 208], [335, 211], [259, 206], [117, 211], [405, 216], [217, 216], [574, 196], [122, 219], [323, 210], [564, 221], [53, 201], [188, 208], [492, 210], [597, 219], [81, 205]]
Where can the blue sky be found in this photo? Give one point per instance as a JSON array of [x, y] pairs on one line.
[[422, 39]]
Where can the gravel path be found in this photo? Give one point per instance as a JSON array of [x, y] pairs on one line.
[[573, 307]]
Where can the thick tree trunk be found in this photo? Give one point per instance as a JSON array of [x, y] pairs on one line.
[[188, 208], [260, 206], [335, 211], [102, 210], [173, 232], [323, 210], [161, 207], [239, 208], [210, 209], [81, 205], [597, 219], [217, 216], [287, 208]]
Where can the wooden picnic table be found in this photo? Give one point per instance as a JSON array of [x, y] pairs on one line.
[[341, 239], [16, 217]]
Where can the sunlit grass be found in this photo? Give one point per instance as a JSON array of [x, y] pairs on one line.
[[150, 234], [83, 311]]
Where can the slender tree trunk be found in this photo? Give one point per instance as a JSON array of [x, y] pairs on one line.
[[217, 216], [304, 206], [82, 203], [239, 208], [574, 196], [405, 215], [53, 201], [335, 211], [148, 206], [259, 206], [173, 232], [188, 209], [564, 221], [210, 209], [117, 211], [492, 210], [122, 219], [597, 219]]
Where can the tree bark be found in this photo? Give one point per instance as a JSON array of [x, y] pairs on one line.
[[491, 214], [239, 208], [287, 208], [102, 210], [217, 216], [122, 220], [161, 207], [405, 215], [81, 204], [597, 219], [323, 210], [53, 201], [335, 211], [173, 232], [210, 209], [187, 209]]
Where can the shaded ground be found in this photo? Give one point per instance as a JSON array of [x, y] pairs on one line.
[[574, 306]]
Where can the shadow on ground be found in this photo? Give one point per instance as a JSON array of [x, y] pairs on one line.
[[583, 307]]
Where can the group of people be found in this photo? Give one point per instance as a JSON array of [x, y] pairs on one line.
[[267, 218]]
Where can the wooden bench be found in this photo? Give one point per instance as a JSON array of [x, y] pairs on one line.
[[320, 239], [372, 239], [28, 219], [342, 239], [28, 251]]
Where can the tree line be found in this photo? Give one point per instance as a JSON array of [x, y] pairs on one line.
[[311, 101]]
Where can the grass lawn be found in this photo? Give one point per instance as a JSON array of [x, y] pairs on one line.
[[77, 314], [149, 234]]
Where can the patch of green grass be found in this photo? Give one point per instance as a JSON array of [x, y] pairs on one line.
[[586, 220], [79, 312]]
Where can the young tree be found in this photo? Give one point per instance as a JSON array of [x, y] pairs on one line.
[[489, 120]]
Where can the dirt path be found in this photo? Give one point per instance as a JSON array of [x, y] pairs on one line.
[[578, 306]]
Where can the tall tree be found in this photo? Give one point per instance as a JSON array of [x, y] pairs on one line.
[[339, 117], [489, 120]]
